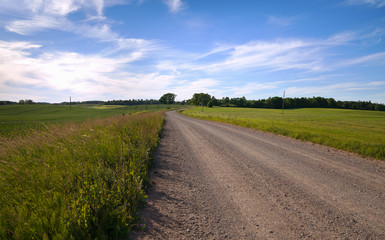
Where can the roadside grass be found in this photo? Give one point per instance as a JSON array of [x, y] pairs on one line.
[[76, 180], [21, 120], [358, 131]]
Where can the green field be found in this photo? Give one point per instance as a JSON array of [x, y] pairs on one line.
[[18, 120], [362, 132], [74, 173]]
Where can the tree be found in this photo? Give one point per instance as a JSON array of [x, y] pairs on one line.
[[168, 98], [201, 99], [225, 101], [28, 101], [214, 101], [274, 102]]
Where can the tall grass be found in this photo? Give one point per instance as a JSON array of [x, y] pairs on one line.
[[358, 131], [77, 180]]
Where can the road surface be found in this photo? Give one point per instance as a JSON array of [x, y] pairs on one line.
[[217, 181]]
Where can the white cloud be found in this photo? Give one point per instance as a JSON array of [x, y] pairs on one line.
[[56, 70], [174, 5], [83, 76]]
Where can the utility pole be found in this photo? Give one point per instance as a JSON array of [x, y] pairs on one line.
[[70, 102], [202, 101], [283, 101]]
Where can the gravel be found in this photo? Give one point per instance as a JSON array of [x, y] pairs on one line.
[[217, 181]]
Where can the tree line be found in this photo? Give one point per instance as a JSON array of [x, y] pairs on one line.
[[205, 99], [21, 102]]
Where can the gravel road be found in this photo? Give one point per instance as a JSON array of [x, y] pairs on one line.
[[217, 181]]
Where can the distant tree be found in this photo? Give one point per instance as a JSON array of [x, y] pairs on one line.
[[168, 98], [379, 107], [274, 102], [225, 101], [214, 101], [332, 103], [7, 102], [26, 101], [201, 99]]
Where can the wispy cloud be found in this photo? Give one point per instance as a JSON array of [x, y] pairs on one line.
[[36, 23], [270, 56], [32, 16], [334, 89], [175, 5], [282, 21], [372, 3], [306, 55], [372, 59], [341, 38]]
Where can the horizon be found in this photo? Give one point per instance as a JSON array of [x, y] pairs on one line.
[[142, 49], [176, 101]]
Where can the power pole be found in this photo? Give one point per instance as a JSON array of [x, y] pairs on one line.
[[70, 102], [202, 101], [283, 101]]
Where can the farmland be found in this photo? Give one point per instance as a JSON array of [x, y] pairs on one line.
[[74, 173], [362, 132], [16, 120]]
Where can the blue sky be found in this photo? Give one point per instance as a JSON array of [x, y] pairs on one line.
[[140, 49]]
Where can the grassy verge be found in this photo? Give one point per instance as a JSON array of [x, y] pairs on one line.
[[362, 132], [77, 180]]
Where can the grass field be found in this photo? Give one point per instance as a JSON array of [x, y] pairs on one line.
[[18, 120], [362, 132], [80, 176]]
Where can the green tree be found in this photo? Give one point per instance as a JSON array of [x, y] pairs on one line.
[[201, 99], [168, 98]]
